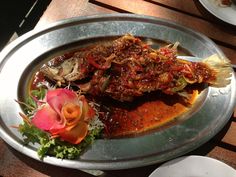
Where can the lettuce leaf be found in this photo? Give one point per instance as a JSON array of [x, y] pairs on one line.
[[31, 102], [55, 146]]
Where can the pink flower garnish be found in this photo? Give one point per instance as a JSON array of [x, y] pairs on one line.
[[58, 97], [64, 115], [47, 119]]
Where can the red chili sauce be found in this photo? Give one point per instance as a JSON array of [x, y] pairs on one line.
[[148, 112]]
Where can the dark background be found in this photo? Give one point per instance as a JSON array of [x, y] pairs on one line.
[[19, 16]]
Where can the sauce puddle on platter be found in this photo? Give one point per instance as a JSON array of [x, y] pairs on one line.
[[146, 113]]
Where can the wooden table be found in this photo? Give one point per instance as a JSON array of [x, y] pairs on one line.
[[187, 13]]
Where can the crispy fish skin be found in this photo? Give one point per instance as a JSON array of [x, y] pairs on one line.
[[71, 69], [127, 68], [78, 66]]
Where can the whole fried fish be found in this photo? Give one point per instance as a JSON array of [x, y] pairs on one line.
[[127, 68]]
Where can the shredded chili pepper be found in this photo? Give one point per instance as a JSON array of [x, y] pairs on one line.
[[96, 65]]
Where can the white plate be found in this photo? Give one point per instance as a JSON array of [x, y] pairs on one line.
[[194, 166], [227, 14]]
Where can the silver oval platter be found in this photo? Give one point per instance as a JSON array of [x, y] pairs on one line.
[[20, 60]]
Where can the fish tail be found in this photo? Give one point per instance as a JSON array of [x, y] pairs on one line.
[[222, 68]]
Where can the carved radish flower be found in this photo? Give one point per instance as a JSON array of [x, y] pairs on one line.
[[65, 115]]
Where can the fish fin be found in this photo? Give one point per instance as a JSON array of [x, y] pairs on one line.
[[173, 46], [222, 68]]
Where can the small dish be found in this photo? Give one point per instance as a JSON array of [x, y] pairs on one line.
[[194, 166], [227, 14]]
